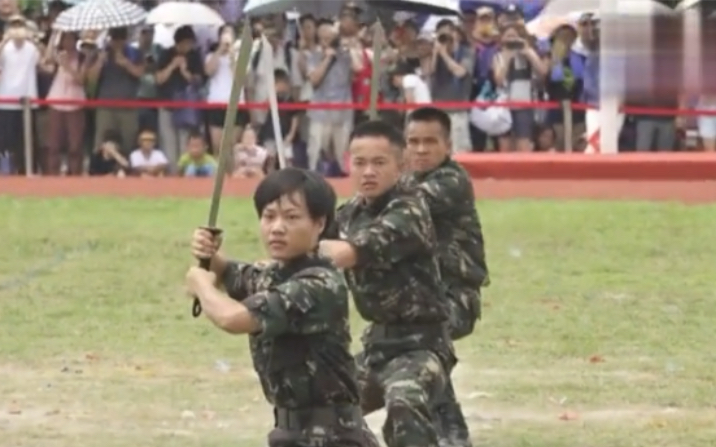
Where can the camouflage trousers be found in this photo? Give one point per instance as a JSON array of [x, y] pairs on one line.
[[406, 385], [465, 310]]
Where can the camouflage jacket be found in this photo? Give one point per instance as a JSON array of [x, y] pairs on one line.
[[396, 281], [461, 250], [302, 355]]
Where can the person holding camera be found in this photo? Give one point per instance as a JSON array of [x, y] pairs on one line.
[[330, 71], [451, 80], [219, 68], [115, 70], [65, 122], [19, 61], [516, 69]]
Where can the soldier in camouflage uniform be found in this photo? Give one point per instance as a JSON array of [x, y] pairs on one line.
[[295, 309], [387, 248], [447, 188]]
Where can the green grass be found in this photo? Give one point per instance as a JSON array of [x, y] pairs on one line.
[[98, 348]]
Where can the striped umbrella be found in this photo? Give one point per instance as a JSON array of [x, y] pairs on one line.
[[99, 15]]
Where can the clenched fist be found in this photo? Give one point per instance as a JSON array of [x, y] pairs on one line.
[[204, 243]]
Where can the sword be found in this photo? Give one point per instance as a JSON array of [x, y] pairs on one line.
[[227, 141]]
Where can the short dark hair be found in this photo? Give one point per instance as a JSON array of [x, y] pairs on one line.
[[306, 18], [432, 115], [322, 22], [318, 193], [280, 75], [183, 33], [195, 134], [381, 129], [446, 22]]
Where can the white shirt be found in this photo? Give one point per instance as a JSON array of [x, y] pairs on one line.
[[18, 73], [221, 81], [250, 158], [137, 159], [418, 87]]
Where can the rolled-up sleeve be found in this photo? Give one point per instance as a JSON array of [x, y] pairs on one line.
[[290, 307], [239, 279]]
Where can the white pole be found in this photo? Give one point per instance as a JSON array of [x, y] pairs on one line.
[[610, 78], [273, 104]]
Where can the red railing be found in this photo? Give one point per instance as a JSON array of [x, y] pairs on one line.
[[544, 105]]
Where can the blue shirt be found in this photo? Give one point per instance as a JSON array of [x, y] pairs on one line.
[[590, 92]]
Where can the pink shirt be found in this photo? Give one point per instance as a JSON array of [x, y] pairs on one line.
[[64, 86]]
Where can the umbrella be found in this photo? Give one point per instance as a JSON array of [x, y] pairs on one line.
[[561, 8], [99, 15], [330, 8], [180, 13]]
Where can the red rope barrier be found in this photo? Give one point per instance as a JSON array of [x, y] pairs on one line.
[[448, 105]]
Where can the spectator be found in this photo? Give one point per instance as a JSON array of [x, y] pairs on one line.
[[288, 121], [414, 90], [179, 75], [565, 83], [283, 55], [545, 139], [486, 45], [250, 159], [115, 72], [19, 59], [451, 79], [107, 158], [8, 8], [515, 69], [150, 54], [66, 122], [219, 67], [307, 44], [330, 70], [196, 162], [147, 160]]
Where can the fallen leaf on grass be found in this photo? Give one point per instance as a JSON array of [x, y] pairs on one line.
[[596, 359], [568, 416], [91, 357]]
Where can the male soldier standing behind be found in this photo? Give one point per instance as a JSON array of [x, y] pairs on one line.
[[388, 253], [296, 310], [447, 188]]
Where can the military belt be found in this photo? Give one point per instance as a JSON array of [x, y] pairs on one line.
[[397, 330], [299, 419]]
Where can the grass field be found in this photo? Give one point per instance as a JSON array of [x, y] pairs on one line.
[[598, 330]]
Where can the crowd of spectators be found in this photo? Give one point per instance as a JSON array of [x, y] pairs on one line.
[[315, 60]]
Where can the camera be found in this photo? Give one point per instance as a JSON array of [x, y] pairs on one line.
[[336, 44], [444, 39], [514, 45]]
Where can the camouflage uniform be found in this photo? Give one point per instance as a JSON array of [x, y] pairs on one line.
[[461, 249], [302, 355], [461, 253], [396, 287]]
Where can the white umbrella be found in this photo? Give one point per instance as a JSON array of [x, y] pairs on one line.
[[686, 4], [561, 8], [99, 15], [181, 13], [330, 8]]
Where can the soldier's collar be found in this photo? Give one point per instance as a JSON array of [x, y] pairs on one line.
[[377, 205], [302, 262], [422, 175]]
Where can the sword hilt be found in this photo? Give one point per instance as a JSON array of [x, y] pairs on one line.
[[206, 265]]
